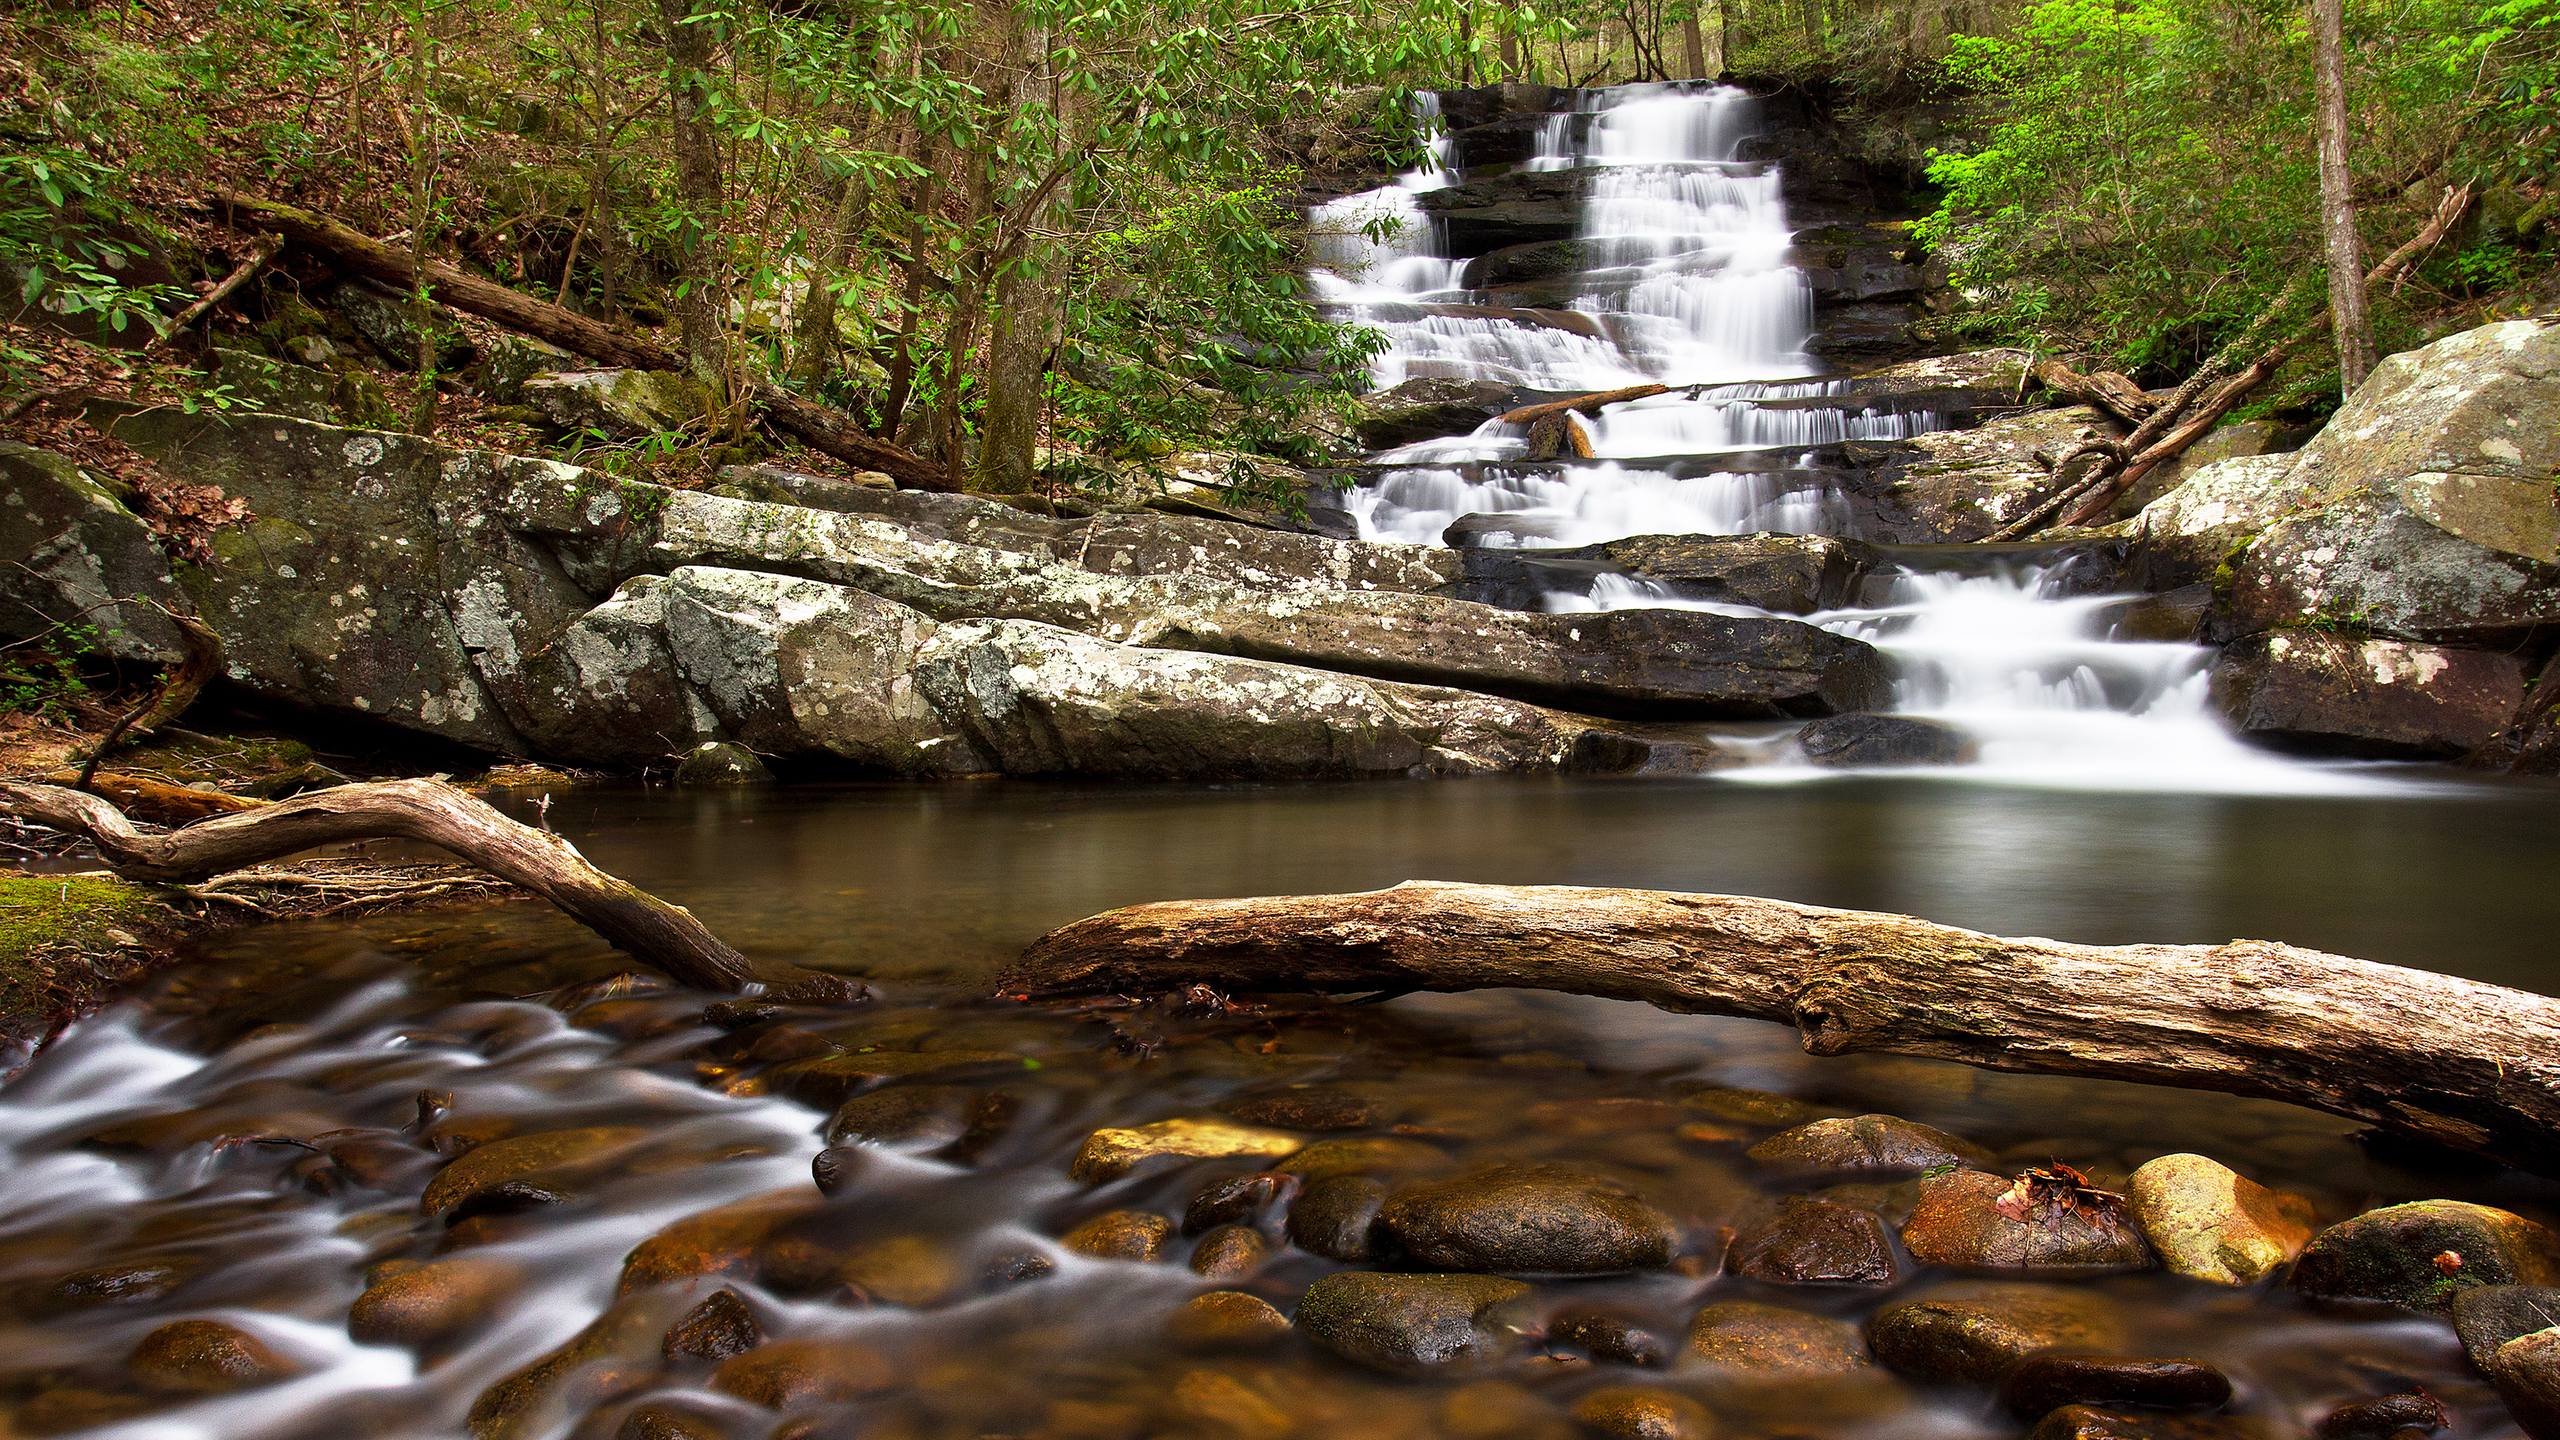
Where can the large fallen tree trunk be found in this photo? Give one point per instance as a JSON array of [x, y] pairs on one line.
[[433, 813], [821, 428], [2458, 1062]]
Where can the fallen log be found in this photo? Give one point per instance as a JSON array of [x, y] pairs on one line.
[[432, 813], [821, 428], [2458, 1062], [1590, 404]]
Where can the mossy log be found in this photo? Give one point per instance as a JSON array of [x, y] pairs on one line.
[[432, 813], [2461, 1063]]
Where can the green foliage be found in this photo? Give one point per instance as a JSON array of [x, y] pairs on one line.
[[47, 675], [68, 246], [2146, 182]]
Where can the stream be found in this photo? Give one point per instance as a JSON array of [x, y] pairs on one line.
[[267, 1132]]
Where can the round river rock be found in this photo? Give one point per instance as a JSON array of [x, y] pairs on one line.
[[1529, 1219]]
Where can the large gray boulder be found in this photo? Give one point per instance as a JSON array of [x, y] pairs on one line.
[[2189, 533], [1958, 485], [2428, 508], [2363, 695], [73, 555]]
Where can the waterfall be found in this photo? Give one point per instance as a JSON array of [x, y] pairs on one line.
[[1684, 277]]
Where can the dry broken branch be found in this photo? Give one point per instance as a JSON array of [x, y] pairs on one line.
[[2457, 1062]]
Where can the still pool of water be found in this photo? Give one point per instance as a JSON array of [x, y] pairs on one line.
[[250, 1141]]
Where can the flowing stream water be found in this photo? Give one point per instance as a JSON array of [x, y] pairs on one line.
[[252, 1139]]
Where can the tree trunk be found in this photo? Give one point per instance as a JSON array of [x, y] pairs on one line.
[[1693, 45], [2348, 319], [432, 813], [2455, 1061], [821, 428], [700, 275], [1018, 335]]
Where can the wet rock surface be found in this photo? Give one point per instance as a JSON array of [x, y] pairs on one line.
[[1974, 1333], [2208, 1222], [1414, 1322], [1866, 1144], [1528, 1220], [2363, 695], [2041, 1384], [1746, 1339], [2396, 1255], [1970, 1220], [1810, 1241]]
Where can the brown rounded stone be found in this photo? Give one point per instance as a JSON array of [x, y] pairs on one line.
[[1809, 1241], [1529, 1219], [1121, 1235], [1643, 1412], [1866, 1144], [1972, 1333], [1750, 1340], [1959, 1222], [1226, 1320], [721, 1326], [425, 1305], [1229, 1252], [541, 1168], [780, 1374], [205, 1357]]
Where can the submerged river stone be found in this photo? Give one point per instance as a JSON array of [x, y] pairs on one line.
[[1643, 1412], [1226, 1320], [1529, 1219], [1415, 1322], [1866, 1144], [2418, 1255], [1748, 1340], [1960, 1222], [430, 1303], [1121, 1235], [524, 1170], [205, 1357], [781, 1374], [1336, 1216], [2208, 1222], [1972, 1333], [2042, 1384], [1109, 1154], [1811, 1241]]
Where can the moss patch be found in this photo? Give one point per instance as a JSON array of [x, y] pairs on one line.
[[66, 939]]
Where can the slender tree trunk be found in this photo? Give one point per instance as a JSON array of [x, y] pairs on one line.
[[1693, 45], [1511, 54], [699, 279], [1018, 337], [2352, 325]]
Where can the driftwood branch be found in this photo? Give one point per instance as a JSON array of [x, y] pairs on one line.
[[351, 250], [197, 666], [2458, 1062], [2106, 389], [1555, 428], [432, 813]]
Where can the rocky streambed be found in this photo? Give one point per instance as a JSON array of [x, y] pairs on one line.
[[460, 1174]]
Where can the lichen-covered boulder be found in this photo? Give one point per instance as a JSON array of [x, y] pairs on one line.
[[1425, 409], [73, 555], [2429, 508], [2363, 695], [2419, 1255], [2189, 533], [2209, 1222]]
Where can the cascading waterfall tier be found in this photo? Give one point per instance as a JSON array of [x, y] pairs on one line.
[[1683, 277]]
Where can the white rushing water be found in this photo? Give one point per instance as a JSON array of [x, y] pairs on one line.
[[1686, 279]]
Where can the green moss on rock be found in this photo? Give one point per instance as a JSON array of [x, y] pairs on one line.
[[65, 939]]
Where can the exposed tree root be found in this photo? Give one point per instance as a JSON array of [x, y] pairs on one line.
[[2460, 1063], [433, 813]]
